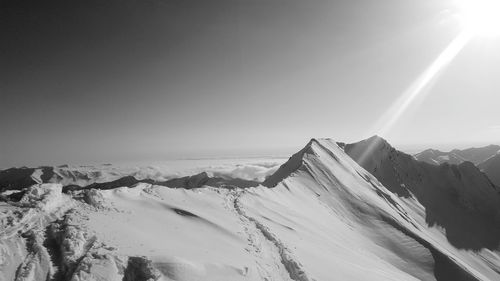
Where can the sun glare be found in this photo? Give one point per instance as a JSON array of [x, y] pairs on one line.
[[481, 17], [418, 89]]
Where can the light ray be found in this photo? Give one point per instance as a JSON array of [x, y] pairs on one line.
[[419, 88]]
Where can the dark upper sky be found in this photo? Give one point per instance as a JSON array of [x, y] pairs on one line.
[[116, 80]]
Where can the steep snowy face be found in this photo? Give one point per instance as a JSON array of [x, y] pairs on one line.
[[357, 199], [337, 175], [491, 167], [459, 198]]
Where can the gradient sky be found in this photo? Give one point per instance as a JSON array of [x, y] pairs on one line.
[[86, 81]]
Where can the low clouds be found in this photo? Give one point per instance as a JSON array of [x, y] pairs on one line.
[[256, 172], [247, 169]]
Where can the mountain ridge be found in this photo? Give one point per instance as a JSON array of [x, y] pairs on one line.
[[475, 155], [337, 187], [462, 188]]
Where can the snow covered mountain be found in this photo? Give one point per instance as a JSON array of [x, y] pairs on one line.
[[436, 157], [456, 156], [459, 198], [108, 176], [320, 216], [24, 177], [485, 158]]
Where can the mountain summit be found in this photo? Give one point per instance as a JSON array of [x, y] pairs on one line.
[[363, 201]]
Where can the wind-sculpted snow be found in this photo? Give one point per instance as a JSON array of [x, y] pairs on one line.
[[43, 237], [24, 256], [320, 216]]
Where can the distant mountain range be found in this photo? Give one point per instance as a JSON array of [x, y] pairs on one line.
[[457, 156], [487, 158]]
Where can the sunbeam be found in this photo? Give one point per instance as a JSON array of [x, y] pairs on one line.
[[420, 87]]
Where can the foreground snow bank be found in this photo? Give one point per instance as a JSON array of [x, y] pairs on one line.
[[46, 197]]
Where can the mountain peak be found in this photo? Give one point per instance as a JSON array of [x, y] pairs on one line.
[[373, 143], [373, 149], [290, 166], [375, 138], [319, 150], [429, 150]]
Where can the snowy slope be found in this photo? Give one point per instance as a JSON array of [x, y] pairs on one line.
[[363, 203], [459, 198], [320, 216]]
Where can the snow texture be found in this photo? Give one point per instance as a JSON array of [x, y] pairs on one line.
[[319, 216]]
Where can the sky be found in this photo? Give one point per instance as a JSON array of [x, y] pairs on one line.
[[91, 81]]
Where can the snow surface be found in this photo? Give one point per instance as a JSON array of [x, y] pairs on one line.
[[320, 216]]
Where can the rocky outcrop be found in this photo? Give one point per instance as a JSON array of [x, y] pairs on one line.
[[127, 181], [203, 179], [16, 178], [140, 269]]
